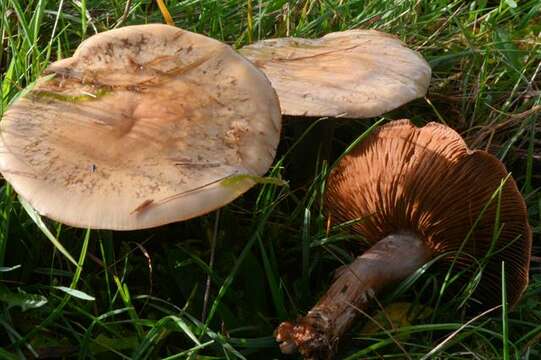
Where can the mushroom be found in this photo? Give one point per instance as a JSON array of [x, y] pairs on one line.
[[351, 74], [417, 193], [347, 74], [141, 127]]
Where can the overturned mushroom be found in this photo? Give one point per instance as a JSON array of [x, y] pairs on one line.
[[417, 193], [139, 128], [352, 74]]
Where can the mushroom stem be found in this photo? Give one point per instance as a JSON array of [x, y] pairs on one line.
[[391, 259]]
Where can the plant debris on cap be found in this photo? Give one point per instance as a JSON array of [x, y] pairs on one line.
[[352, 74], [140, 128], [426, 181]]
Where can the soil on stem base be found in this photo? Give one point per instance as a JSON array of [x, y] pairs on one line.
[[392, 259]]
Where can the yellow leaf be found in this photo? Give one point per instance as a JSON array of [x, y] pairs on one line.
[[394, 316]]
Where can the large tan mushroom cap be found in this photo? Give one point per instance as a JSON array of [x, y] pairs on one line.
[[352, 74], [139, 128], [426, 181]]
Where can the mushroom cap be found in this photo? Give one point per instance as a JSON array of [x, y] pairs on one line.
[[351, 74], [426, 181], [139, 128]]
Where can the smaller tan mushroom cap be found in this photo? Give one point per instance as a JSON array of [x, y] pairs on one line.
[[140, 128], [427, 182], [351, 74]]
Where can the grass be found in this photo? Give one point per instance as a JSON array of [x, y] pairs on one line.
[[141, 294]]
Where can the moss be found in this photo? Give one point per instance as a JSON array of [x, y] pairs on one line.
[[235, 179], [39, 94]]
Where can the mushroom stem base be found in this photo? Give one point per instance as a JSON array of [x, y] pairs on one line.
[[390, 260]]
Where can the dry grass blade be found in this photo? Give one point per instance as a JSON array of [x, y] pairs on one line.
[[442, 344]]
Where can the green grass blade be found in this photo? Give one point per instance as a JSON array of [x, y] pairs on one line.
[[45, 230], [505, 320]]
